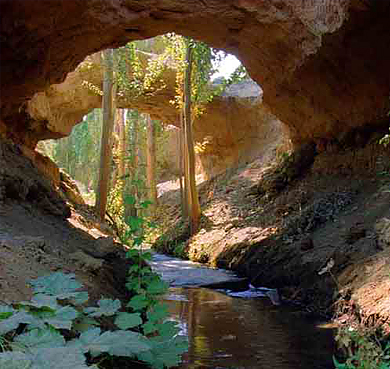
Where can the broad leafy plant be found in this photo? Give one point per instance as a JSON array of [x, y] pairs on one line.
[[55, 327], [147, 288]]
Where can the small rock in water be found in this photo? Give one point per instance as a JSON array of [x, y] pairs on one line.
[[254, 292]]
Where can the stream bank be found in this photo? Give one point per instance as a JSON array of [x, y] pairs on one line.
[[336, 211]]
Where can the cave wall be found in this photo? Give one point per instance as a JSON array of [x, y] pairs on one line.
[[323, 65]]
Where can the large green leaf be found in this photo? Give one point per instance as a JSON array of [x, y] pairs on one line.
[[168, 329], [44, 358], [339, 365], [79, 298], [15, 360], [165, 353], [138, 302], [88, 341], [60, 319], [41, 338], [126, 343], [11, 323], [58, 284], [58, 358], [106, 307], [118, 343], [127, 320], [149, 327], [84, 323], [41, 300], [157, 287], [158, 312]]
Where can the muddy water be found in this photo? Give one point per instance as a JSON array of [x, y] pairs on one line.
[[236, 332], [226, 332]]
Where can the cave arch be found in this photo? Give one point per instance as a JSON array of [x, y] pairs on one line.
[[323, 65]]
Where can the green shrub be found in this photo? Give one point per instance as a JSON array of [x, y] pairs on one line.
[[364, 350]]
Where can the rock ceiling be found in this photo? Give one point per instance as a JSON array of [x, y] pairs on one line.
[[323, 65]]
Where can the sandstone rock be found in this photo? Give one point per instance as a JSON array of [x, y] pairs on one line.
[[219, 144], [37, 242], [85, 262], [44, 164], [323, 65], [70, 189], [20, 180], [104, 246]]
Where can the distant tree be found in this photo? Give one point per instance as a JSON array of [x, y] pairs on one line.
[[151, 164], [119, 147], [108, 124], [122, 142], [194, 206], [183, 164], [132, 160]]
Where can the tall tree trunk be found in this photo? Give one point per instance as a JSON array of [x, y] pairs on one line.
[[131, 188], [151, 164], [122, 142], [180, 148], [118, 147], [195, 211], [185, 199], [108, 124]]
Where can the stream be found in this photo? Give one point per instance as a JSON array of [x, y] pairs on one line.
[[240, 330]]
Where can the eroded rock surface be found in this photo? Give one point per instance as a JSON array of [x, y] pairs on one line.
[[21, 181], [41, 233], [322, 64], [232, 130]]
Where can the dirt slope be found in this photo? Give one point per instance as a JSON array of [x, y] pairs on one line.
[[40, 233], [282, 229]]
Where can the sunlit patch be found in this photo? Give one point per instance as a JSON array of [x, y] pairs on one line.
[[329, 325]]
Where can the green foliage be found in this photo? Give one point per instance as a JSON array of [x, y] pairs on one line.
[[126, 320], [365, 350], [204, 65], [71, 153], [148, 288], [385, 140], [43, 358], [107, 307], [54, 322], [35, 334], [139, 74], [57, 285], [180, 250]]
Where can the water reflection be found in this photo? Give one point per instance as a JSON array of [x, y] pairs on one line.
[[226, 332]]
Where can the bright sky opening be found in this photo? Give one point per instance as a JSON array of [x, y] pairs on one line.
[[227, 67]]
